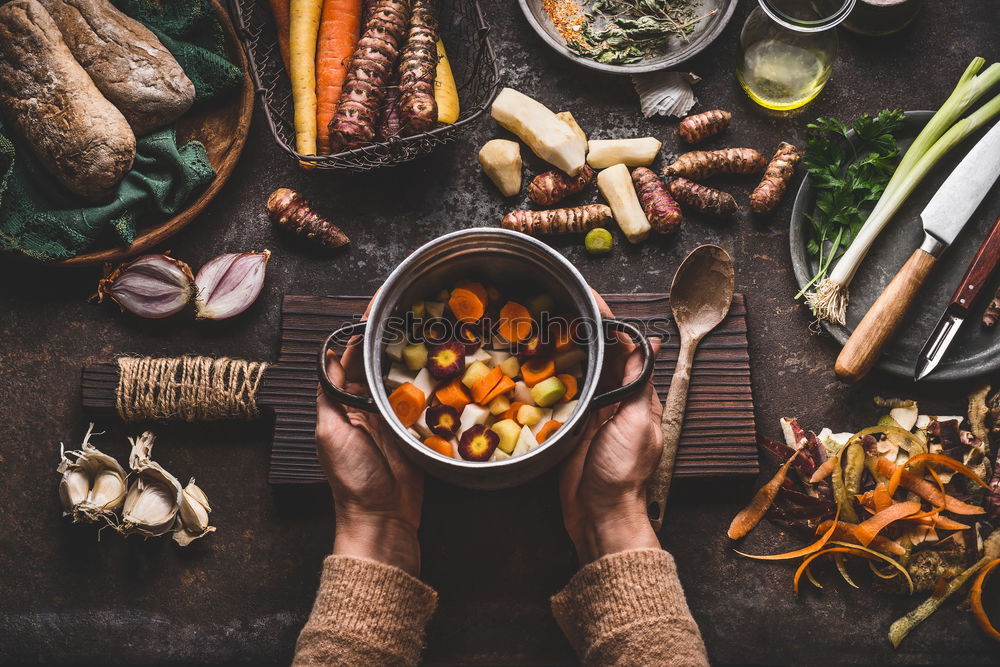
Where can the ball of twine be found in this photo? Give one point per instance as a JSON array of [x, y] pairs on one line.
[[188, 388]]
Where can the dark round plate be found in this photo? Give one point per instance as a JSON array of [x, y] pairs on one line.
[[678, 49], [975, 351]]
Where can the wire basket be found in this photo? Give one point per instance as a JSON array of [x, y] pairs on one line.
[[464, 32]]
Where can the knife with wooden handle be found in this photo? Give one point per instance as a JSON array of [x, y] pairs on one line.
[[943, 218]]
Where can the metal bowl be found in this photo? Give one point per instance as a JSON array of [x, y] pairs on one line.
[[503, 258], [678, 49]]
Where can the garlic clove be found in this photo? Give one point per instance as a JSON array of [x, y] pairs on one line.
[[92, 485], [152, 286], [153, 500], [192, 520], [229, 284], [107, 490], [73, 489]]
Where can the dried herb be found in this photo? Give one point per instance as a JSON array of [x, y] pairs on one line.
[[619, 32]]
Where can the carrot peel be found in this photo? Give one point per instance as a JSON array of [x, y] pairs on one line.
[[751, 515], [866, 531], [804, 551], [976, 600]]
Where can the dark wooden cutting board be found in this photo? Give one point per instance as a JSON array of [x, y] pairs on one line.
[[718, 435], [717, 439]]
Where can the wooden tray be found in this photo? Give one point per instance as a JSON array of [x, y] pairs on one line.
[[222, 128], [718, 438]]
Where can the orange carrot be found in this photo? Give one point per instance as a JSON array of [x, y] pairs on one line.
[[866, 531], [485, 384], [546, 430], [502, 387], [477, 289], [750, 515], [570, 383], [535, 370], [439, 445], [512, 411], [454, 394], [466, 305], [925, 489], [339, 29], [515, 322], [280, 12], [408, 402], [845, 531]]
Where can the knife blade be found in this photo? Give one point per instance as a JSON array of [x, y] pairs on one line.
[[943, 218], [982, 267]]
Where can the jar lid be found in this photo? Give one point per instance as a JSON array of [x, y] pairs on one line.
[[808, 15]]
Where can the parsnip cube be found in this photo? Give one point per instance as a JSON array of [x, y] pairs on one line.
[[398, 374], [525, 442], [472, 414], [567, 118], [499, 356], [546, 418], [562, 412], [478, 355], [616, 187], [425, 383], [395, 349], [501, 160], [550, 138], [604, 153], [522, 393]]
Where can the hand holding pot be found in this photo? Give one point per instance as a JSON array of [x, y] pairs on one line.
[[377, 492], [603, 482]]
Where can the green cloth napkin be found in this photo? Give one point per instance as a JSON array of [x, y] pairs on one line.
[[41, 220]]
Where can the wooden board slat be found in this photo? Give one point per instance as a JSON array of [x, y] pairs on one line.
[[719, 430]]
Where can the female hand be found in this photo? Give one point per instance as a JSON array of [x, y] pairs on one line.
[[603, 483], [377, 493]]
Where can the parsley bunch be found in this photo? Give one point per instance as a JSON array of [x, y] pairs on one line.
[[850, 175]]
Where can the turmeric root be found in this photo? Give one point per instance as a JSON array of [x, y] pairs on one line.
[[706, 200], [553, 186], [661, 210], [558, 221], [289, 211], [779, 171], [992, 313], [699, 165], [417, 69], [699, 127], [368, 74]]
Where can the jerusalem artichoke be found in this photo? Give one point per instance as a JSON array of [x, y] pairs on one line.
[[616, 187], [705, 199], [567, 117], [698, 165], [779, 171], [639, 152], [661, 210], [699, 127], [992, 313], [289, 211], [551, 187], [558, 221], [417, 69], [370, 70], [501, 160], [549, 137]]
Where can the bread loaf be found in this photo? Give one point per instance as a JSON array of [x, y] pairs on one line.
[[77, 134], [126, 61]]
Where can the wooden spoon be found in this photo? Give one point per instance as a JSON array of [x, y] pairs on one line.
[[700, 296]]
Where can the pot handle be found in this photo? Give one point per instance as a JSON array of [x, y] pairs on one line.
[[344, 333], [619, 393]]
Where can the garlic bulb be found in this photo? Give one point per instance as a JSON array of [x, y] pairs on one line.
[[153, 500], [192, 519], [93, 483]]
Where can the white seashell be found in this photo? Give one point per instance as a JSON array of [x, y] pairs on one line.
[[665, 93]]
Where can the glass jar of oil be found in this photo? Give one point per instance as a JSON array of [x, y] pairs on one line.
[[787, 49]]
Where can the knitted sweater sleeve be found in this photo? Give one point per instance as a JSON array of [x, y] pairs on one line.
[[629, 609], [366, 613]]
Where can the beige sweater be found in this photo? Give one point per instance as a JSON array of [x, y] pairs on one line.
[[624, 609]]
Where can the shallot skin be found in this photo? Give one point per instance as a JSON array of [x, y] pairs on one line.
[[229, 284]]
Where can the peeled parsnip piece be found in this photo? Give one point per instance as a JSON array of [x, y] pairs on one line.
[[631, 152], [550, 138], [501, 160], [567, 118], [616, 187]]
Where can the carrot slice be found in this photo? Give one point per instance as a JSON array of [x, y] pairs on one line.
[[804, 551], [512, 411], [454, 394], [976, 600], [866, 531], [408, 402], [845, 531], [515, 322], [546, 430], [439, 445], [502, 387], [924, 489], [570, 382], [485, 384], [750, 515], [535, 370], [477, 289], [466, 305], [940, 459]]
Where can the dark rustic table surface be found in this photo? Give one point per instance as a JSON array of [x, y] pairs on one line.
[[243, 593]]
